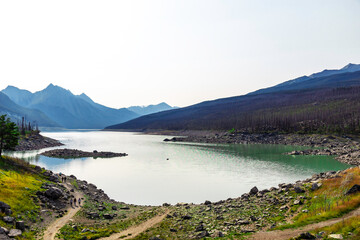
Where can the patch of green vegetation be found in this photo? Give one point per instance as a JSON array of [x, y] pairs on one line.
[[349, 228], [329, 201], [75, 184], [232, 131], [74, 233]]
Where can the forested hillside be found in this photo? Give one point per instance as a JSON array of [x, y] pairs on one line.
[[324, 104]]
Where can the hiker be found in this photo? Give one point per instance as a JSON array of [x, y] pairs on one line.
[[79, 202], [71, 201], [75, 202], [65, 179]]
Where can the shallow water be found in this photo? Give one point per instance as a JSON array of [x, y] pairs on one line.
[[193, 173]]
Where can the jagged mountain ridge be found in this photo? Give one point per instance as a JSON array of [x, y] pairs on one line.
[[69, 110]]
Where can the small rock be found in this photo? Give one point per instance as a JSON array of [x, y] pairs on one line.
[[15, 233], [297, 202], [243, 222], [335, 236], [202, 234], [114, 208], [306, 235], [217, 234], [108, 216]]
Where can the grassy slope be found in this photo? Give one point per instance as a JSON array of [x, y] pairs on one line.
[[19, 184]]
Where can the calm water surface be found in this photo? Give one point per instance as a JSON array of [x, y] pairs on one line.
[[193, 173]]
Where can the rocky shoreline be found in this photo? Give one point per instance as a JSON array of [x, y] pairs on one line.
[[257, 210], [346, 149], [36, 141], [75, 153]]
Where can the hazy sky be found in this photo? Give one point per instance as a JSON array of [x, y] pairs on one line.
[[123, 53]]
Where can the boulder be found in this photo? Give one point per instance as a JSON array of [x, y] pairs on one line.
[[108, 216], [306, 235], [3, 236], [186, 217], [200, 228], [8, 219], [335, 236], [353, 189], [53, 193], [254, 190], [4, 206], [314, 187], [20, 225], [298, 189], [93, 215], [207, 202], [15, 233], [114, 208], [53, 178], [4, 230]]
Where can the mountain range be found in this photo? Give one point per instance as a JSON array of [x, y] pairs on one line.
[[324, 101], [57, 107]]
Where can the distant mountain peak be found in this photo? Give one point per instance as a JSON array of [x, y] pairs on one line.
[[149, 109], [86, 98], [352, 67], [11, 87], [51, 88]]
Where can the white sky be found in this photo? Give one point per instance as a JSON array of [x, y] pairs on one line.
[[123, 53]]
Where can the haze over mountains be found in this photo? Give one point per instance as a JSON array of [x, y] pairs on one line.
[[325, 101], [57, 107], [145, 110]]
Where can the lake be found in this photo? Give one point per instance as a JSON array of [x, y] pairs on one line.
[[193, 173]]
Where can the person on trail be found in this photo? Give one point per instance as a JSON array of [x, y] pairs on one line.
[[75, 202], [71, 201], [64, 178], [79, 202]]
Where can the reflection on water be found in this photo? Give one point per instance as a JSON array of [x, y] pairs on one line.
[[193, 173]]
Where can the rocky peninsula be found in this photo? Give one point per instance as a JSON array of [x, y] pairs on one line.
[[345, 149], [75, 153], [36, 141]]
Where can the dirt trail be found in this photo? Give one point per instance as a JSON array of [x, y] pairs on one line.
[[289, 233], [136, 230], [53, 229]]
